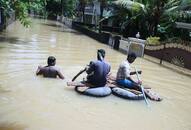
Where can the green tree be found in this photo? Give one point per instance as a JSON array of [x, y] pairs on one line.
[[21, 8], [54, 8], [148, 14], [39, 6], [68, 7], [61, 7]]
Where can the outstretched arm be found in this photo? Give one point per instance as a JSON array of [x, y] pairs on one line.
[[60, 75], [39, 71], [79, 74]]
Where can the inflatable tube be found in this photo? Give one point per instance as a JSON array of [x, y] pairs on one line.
[[95, 92], [123, 93]]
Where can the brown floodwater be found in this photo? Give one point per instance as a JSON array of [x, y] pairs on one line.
[[28, 102]]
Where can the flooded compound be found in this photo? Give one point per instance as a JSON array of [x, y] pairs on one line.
[[28, 102]]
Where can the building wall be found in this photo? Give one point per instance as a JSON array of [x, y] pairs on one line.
[[92, 12]]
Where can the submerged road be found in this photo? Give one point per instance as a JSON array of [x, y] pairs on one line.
[[28, 102]]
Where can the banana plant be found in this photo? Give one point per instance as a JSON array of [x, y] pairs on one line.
[[130, 5]]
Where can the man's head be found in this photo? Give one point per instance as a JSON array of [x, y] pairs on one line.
[[131, 57], [100, 54], [51, 61]]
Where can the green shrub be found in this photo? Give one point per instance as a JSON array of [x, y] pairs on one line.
[[153, 41]]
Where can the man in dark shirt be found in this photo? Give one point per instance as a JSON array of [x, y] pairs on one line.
[[50, 71], [98, 70]]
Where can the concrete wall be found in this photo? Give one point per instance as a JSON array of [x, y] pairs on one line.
[[65, 20], [101, 37]]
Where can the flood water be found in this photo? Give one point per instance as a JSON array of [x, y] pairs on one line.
[[28, 102]]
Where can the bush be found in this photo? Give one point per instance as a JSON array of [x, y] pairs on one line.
[[153, 41]]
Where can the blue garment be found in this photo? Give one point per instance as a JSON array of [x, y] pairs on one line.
[[97, 73], [98, 91], [125, 83]]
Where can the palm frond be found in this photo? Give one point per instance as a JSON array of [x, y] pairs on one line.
[[130, 5]]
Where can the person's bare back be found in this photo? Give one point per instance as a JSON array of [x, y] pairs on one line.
[[50, 71]]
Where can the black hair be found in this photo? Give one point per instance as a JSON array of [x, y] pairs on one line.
[[100, 54], [132, 55], [51, 61]]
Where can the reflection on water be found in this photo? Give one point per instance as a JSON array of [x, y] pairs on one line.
[[48, 104]]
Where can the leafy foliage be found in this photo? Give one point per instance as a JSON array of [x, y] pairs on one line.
[[6, 6], [69, 7], [153, 17], [21, 8], [153, 41], [61, 7]]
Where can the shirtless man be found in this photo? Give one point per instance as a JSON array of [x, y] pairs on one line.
[[50, 71]]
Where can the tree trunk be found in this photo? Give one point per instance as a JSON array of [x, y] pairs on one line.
[[101, 16], [62, 8], [83, 14], [102, 6]]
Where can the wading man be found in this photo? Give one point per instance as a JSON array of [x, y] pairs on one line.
[[50, 71]]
